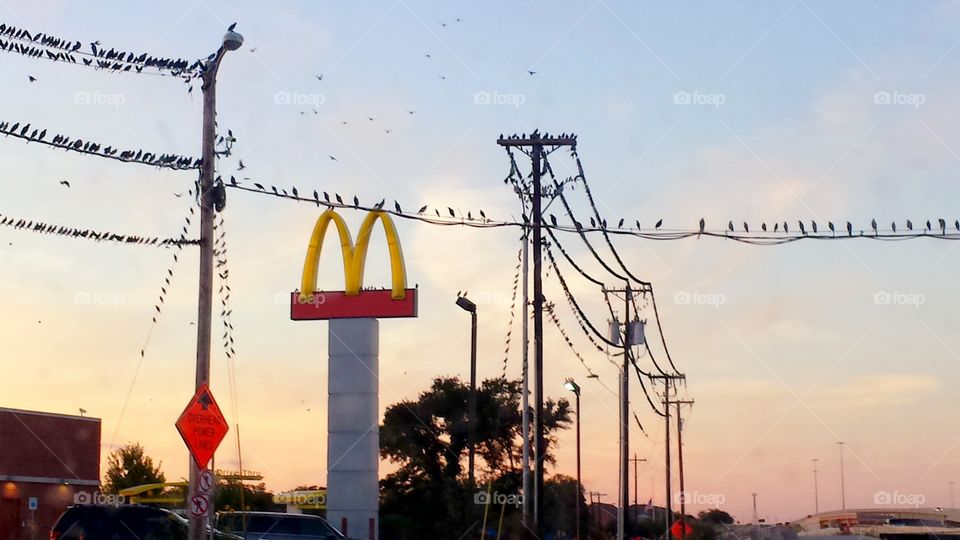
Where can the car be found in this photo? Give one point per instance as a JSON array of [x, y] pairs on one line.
[[123, 522], [276, 526]]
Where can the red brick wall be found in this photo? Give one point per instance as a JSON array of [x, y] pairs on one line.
[[45, 446]]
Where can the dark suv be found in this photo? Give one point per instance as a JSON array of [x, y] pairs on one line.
[[276, 526], [123, 522]]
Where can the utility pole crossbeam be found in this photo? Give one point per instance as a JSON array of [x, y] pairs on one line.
[[536, 143]]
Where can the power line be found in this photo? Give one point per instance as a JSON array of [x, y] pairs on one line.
[[38, 135], [90, 234]]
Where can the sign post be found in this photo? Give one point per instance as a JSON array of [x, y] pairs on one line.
[[202, 427], [353, 421]]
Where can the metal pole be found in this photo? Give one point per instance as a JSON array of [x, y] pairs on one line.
[[198, 524], [624, 496], [843, 489], [473, 392], [816, 488], [578, 468], [756, 517], [525, 398], [540, 447], [668, 508], [683, 492]]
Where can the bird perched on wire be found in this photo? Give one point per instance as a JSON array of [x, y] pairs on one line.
[[658, 224]]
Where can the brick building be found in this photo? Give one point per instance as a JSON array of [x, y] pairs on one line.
[[45, 460]]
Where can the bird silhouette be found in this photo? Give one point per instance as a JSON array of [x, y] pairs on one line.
[[242, 166], [356, 201], [730, 226], [929, 228], [833, 230], [813, 225], [396, 206], [553, 220], [956, 224], [231, 27], [786, 228], [65, 183], [703, 224], [803, 230], [532, 73], [422, 209], [452, 213], [319, 77], [763, 226], [776, 227], [893, 226], [746, 227], [943, 226], [849, 229], [332, 158], [873, 225], [620, 224], [909, 225], [339, 199], [658, 224], [32, 78]]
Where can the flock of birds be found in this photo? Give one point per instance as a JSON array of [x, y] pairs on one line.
[[46, 228], [41, 45], [34, 134]]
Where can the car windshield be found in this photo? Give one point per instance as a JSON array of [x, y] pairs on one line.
[[276, 524]]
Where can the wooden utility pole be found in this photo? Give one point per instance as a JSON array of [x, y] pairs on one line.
[[683, 492], [536, 144], [636, 486]]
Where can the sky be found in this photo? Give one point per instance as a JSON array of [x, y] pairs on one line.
[[750, 111]]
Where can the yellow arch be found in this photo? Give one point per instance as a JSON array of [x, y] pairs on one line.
[[354, 256]]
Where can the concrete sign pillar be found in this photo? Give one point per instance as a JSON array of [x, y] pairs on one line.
[[353, 427]]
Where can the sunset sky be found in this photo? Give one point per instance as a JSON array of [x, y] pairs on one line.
[[798, 110]]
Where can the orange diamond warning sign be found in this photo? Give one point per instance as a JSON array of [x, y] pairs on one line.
[[202, 426]]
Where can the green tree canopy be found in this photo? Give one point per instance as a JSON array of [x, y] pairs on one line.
[[129, 466], [428, 495]]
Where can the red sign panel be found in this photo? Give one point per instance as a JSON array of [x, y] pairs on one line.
[[678, 532], [372, 304], [202, 426]]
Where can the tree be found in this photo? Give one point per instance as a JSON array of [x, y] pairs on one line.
[[716, 517], [560, 497], [255, 497], [428, 438], [129, 466]]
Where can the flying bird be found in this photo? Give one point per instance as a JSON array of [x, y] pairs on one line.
[[65, 183], [242, 166], [532, 73], [319, 77], [32, 78], [332, 158]]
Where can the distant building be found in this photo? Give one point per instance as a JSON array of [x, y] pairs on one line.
[[46, 460]]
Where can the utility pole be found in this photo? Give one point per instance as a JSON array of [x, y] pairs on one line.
[[843, 488], [197, 525], [536, 143], [816, 488], [951, 495], [525, 398], [683, 492], [756, 517], [667, 380], [622, 516], [636, 486]]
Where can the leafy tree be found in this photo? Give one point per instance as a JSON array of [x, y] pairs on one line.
[[716, 517], [428, 438], [129, 466], [255, 497], [560, 497]]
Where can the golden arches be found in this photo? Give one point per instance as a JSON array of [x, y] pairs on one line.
[[354, 255]]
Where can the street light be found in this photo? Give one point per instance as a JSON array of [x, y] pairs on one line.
[[572, 386], [471, 308], [232, 41]]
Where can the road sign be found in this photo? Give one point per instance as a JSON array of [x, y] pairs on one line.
[[199, 505], [32, 503], [206, 481], [677, 532], [202, 426]]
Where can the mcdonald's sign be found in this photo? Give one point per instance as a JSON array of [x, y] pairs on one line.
[[354, 301]]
